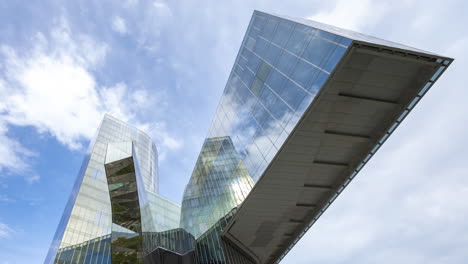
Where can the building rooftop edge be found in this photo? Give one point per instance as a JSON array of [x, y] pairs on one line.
[[354, 35], [109, 116]]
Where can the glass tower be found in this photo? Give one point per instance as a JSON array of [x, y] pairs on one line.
[[83, 235], [280, 68], [115, 214]]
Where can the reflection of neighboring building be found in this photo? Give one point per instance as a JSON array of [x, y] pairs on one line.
[[138, 224], [219, 183], [305, 108]]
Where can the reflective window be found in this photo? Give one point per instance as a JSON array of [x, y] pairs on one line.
[[269, 29], [256, 86], [261, 46], [253, 62], [282, 34], [304, 73], [297, 42], [317, 50], [272, 54], [334, 58], [292, 94], [286, 62], [276, 81], [263, 71]]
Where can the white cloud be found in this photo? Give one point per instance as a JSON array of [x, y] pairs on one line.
[[151, 22], [131, 3], [12, 154], [32, 178], [52, 88], [352, 14], [162, 9], [5, 230], [141, 97], [4, 198], [119, 25], [55, 96], [164, 140], [171, 142]]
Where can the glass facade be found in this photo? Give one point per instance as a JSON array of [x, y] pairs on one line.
[[86, 221], [219, 183], [280, 68], [211, 248], [92, 251], [126, 238]]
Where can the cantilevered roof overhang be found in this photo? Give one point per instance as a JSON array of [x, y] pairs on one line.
[[367, 96]]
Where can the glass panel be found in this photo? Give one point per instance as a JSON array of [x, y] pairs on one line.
[[276, 81], [286, 62], [263, 71], [269, 29], [261, 47], [272, 54], [256, 86], [303, 73], [282, 34], [297, 42], [334, 58], [292, 94], [317, 50], [253, 62]]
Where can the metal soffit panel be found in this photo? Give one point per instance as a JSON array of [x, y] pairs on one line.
[[366, 98]]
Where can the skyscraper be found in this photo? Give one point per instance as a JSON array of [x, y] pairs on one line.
[[306, 106], [84, 232]]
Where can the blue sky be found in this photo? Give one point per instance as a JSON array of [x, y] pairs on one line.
[[162, 65]]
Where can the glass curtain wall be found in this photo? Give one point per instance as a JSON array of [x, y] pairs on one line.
[[87, 216], [219, 183], [279, 69]]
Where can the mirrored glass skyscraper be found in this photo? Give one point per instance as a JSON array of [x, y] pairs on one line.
[[306, 106], [83, 235]]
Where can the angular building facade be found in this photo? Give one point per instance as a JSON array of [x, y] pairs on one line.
[[219, 183], [306, 106], [84, 232]]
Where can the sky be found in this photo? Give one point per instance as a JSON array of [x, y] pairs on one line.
[[162, 66]]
